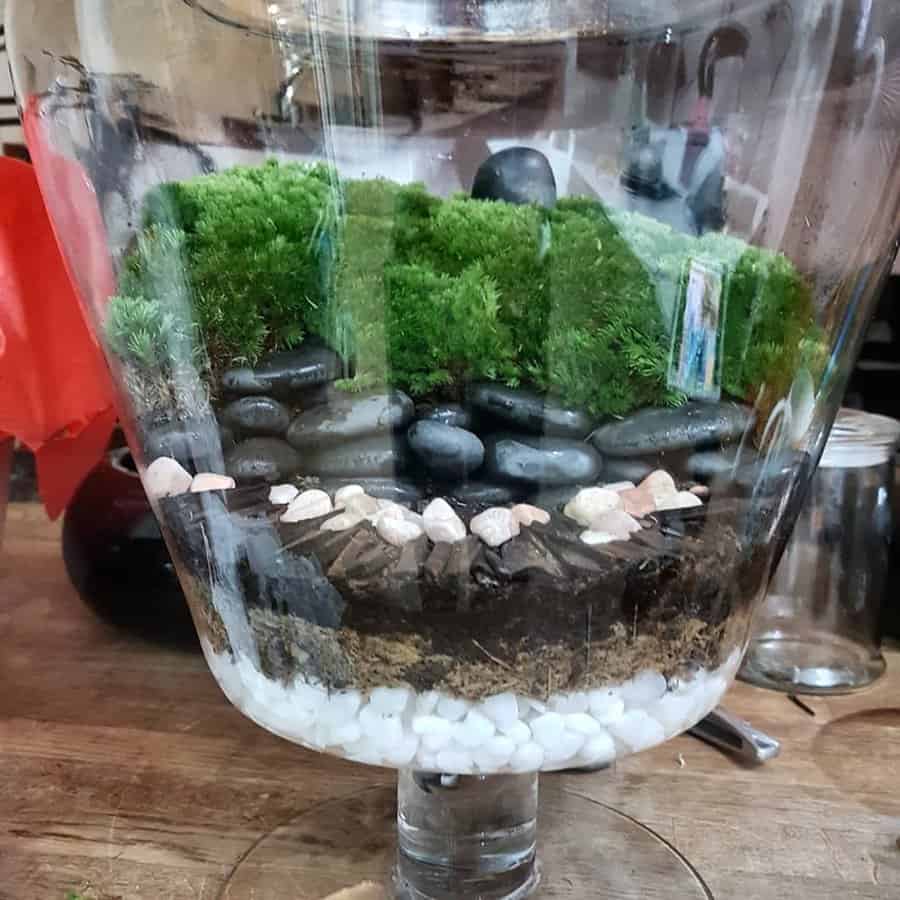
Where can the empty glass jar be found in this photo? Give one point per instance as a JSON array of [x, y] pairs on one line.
[[818, 629]]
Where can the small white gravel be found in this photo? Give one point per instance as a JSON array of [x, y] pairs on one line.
[[166, 477], [503, 709], [308, 505], [442, 524], [395, 726], [210, 481], [282, 494], [495, 526]]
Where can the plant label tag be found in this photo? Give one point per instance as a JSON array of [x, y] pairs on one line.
[[695, 359]]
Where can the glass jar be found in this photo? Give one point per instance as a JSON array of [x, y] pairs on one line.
[[818, 631], [474, 355]]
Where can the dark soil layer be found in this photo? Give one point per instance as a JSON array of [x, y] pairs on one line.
[[543, 613]]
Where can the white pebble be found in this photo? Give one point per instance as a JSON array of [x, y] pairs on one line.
[[569, 703], [564, 749], [638, 731], [660, 485], [342, 495], [675, 712], [282, 494], [308, 505], [517, 732], [527, 758], [501, 748], [495, 526], [537, 705], [431, 725], [582, 723], [166, 477], [340, 708], [643, 689], [310, 697], [503, 709], [342, 522], [548, 729], [606, 706], [484, 762], [425, 761], [474, 730], [589, 503], [347, 733], [528, 514], [402, 753], [425, 703], [451, 708], [210, 481], [714, 688], [434, 742], [599, 749], [455, 762], [390, 701], [442, 524], [681, 500], [398, 532]]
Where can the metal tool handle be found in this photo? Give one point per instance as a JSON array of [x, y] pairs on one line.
[[736, 736]]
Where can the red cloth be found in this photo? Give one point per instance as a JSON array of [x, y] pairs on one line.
[[56, 394]]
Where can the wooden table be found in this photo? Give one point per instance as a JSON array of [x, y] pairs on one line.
[[124, 772]]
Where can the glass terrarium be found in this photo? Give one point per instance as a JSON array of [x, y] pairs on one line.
[[476, 356]]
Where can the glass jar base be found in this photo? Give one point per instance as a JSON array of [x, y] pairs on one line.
[[584, 849], [811, 663]]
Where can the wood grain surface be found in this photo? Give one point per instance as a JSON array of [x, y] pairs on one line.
[[126, 775]]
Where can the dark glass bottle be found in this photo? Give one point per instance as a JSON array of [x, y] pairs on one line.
[[116, 557]]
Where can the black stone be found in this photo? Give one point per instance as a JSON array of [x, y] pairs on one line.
[[349, 417], [262, 416], [537, 460], [447, 413], [262, 459], [529, 411], [718, 468], [445, 450], [516, 175], [484, 493], [623, 469], [660, 430], [229, 441], [377, 455], [555, 498], [195, 443], [285, 373]]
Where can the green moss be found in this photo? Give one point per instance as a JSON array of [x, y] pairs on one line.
[[427, 294]]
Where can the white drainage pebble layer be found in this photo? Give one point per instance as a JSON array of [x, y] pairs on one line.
[[395, 726]]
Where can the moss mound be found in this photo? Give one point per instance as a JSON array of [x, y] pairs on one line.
[[425, 293]]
